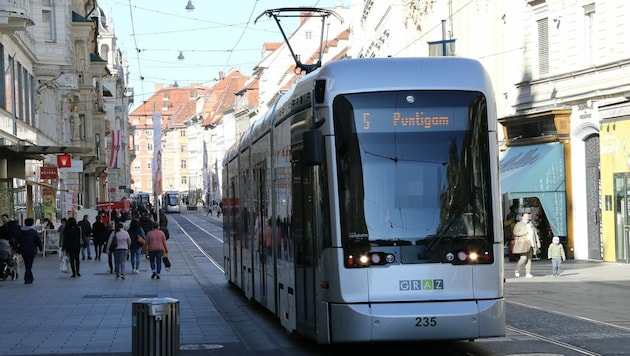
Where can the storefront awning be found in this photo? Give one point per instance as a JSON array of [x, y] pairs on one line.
[[36, 152], [537, 171]]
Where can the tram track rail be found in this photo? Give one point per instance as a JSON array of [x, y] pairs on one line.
[[536, 324], [549, 340], [201, 249], [569, 332]]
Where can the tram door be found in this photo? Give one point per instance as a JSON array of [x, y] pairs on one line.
[[622, 216], [303, 232], [263, 257]]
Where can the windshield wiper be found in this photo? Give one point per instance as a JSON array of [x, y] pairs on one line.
[[449, 222]]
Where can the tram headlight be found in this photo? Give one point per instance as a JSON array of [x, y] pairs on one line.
[[473, 256], [364, 259], [367, 259]]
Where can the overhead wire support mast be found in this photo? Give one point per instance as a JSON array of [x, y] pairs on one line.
[[313, 12]]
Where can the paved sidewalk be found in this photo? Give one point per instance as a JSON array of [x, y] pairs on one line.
[[571, 271], [92, 314]]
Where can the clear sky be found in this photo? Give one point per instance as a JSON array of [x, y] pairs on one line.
[[217, 36]]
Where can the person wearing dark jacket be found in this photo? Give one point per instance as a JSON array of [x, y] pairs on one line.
[[108, 232], [29, 243], [135, 248], [98, 230], [10, 230], [146, 222], [72, 245], [86, 231]]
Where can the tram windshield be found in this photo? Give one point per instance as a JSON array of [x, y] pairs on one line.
[[412, 166]]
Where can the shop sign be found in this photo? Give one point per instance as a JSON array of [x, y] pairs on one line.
[[64, 161], [48, 172]]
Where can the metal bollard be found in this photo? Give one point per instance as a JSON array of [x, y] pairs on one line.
[[155, 327]]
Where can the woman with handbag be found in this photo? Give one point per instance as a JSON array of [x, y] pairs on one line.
[[156, 246], [525, 241], [137, 242]]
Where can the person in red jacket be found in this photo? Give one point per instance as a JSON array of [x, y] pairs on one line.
[[155, 244]]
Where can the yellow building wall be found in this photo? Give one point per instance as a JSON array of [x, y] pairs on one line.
[[614, 158]]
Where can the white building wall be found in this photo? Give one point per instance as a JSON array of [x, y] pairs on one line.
[[587, 71]]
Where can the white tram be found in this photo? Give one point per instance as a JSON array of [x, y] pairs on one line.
[[171, 202], [364, 206]]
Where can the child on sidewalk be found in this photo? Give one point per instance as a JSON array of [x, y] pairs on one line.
[[556, 254]]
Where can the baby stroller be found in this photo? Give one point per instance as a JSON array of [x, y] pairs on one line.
[[8, 261]]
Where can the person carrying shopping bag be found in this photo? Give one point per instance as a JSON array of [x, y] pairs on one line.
[[526, 243], [156, 246]]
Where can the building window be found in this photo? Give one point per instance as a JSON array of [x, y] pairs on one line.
[[182, 164], [135, 122], [543, 46], [136, 148], [137, 164], [149, 122], [149, 165], [20, 94], [82, 128], [149, 147], [182, 133], [136, 133], [8, 79], [3, 94], [308, 35], [184, 180], [589, 34], [48, 23], [182, 148], [149, 133]]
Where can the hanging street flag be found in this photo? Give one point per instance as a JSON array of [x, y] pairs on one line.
[[64, 160], [157, 154], [114, 159]]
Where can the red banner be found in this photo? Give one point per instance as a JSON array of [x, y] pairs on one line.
[[64, 161], [48, 172]]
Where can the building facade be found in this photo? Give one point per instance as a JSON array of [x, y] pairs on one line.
[[54, 127]]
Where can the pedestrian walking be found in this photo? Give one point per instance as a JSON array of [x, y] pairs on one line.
[[146, 222], [525, 232], [60, 229], [10, 230], [156, 246], [121, 240], [556, 254], [29, 244], [111, 228], [137, 235], [72, 245], [86, 231], [98, 230]]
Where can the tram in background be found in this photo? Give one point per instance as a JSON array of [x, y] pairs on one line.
[[364, 206], [171, 202]]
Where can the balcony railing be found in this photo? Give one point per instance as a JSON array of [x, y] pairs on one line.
[[15, 15]]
